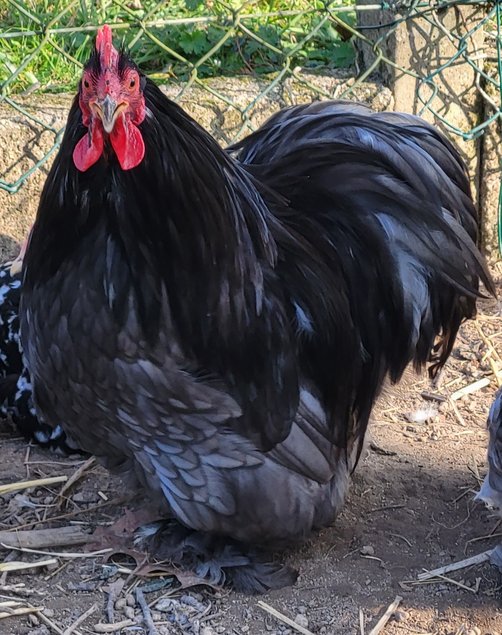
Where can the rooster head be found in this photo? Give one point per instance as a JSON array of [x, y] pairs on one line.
[[113, 105]]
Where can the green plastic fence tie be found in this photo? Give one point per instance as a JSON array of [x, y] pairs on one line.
[[499, 221], [499, 69]]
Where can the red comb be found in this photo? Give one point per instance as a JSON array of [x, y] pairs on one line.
[[107, 52]]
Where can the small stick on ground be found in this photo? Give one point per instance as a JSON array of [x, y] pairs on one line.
[[21, 566], [10, 557], [42, 538], [361, 621], [43, 618], [10, 604], [62, 554], [455, 566], [150, 627], [433, 396], [497, 525], [487, 537], [402, 538], [113, 591], [26, 461], [79, 620], [282, 618], [457, 412], [467, 490], [40, 482], [456, 583], [79, 472], [380, 625], [57, 571], [19, 589], [110, 607], [470, 388], [20, 611], [112, 628]]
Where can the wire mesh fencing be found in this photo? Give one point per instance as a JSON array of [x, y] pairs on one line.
[[44, 43]]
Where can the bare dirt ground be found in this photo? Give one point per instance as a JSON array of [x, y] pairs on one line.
[[411, 509]]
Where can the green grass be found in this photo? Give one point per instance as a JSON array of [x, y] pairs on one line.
[[211, 44]]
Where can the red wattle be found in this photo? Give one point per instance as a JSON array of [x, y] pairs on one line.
[[89, 149], [128, 143]]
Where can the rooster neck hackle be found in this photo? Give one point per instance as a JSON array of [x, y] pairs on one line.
[[187, 219]]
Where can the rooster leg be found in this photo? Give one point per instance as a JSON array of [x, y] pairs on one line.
[[438, 379], [217, 559], [490, 496]]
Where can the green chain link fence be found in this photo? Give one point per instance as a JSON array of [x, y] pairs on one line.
[[43, 44]]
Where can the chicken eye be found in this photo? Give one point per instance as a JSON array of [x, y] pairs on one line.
[[86, 83], [132, 83]]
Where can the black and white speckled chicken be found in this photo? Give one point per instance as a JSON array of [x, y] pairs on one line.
[[16, 399], [217, 325]]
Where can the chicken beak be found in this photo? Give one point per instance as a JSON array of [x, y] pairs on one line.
[[108, 111]]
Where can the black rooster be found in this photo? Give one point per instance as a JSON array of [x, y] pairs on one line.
[[217, 325]]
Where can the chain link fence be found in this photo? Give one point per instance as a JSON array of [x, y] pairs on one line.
[[43, 44]]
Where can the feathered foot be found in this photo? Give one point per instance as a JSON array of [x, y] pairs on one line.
[[217, 559], [490, 497]]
